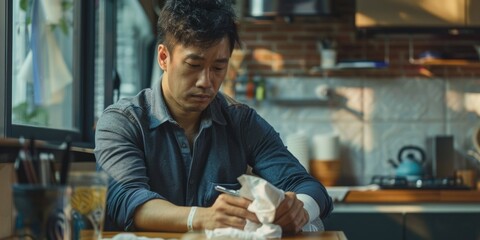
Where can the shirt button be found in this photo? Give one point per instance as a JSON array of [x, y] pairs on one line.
[[184, 145]]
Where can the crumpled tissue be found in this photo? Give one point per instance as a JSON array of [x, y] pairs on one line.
[[130, 236], [265, 200]]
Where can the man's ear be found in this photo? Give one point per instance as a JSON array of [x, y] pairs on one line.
[[162, 56]]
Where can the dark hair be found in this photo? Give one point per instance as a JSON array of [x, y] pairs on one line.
[[196, 22]]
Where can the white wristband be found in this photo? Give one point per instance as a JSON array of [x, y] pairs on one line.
[[190, 218]]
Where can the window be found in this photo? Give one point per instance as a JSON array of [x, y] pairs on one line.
[[60, 62], [48, 69], [42, 64], [135, 48]]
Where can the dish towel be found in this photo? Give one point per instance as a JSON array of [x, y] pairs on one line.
[[265, 199]]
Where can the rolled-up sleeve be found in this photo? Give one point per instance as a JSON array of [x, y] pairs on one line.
[[118, 152]]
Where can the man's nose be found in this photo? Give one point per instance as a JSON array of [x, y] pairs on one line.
[[204, 80]]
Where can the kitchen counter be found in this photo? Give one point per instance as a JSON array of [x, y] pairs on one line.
[[413, 196], [368, 199], [371, 198]]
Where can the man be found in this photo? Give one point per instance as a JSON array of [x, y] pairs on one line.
[[168, 147]]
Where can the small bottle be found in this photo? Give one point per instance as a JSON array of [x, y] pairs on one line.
[[250, 89], [260, 90]]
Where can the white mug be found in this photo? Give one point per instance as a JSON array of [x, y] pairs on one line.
[[329, 58]]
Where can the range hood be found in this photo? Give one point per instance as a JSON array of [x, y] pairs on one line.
[[269, 8]]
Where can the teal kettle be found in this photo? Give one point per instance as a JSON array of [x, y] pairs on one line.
[[410, 165]]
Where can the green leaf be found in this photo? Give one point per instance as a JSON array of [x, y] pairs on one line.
[[64, 26], [24, 5], [28, 20], [66, 5]]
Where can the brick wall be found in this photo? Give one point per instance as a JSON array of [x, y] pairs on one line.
[[280, 48]]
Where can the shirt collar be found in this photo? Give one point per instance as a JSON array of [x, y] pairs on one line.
[[159, 113]]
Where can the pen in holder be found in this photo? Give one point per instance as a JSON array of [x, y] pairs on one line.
[[42, 211], [42, 206], [328, 54]]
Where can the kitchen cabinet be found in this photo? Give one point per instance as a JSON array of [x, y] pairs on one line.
[[473, 13], [406, 226], [419, 226], [362, 225], [416, 14], [407, 214]]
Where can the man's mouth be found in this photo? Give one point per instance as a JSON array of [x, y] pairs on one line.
[[201, 97]]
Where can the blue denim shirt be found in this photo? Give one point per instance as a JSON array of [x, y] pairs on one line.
[[147, 155]]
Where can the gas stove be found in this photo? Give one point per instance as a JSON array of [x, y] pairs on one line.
[[396, 182]]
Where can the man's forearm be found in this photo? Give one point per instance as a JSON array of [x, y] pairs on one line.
[[161, 215]]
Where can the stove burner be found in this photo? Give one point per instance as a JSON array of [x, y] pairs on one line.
[[395, 182]]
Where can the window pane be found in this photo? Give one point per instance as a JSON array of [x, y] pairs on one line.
[[42, 69], [135, 60]]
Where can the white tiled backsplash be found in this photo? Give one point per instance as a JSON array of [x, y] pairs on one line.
[[376, 117]]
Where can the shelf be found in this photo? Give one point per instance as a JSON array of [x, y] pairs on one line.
[[432, 60], [353, 64], [9, 148], [361, 64], [302, 102], [445, 62]]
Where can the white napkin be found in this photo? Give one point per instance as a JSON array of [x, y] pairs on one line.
[[130, 236], [265, 199]]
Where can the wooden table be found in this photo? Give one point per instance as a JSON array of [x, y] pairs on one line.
[[328, 235]]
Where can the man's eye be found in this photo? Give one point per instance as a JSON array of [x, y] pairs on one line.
[[193, 65], [219, 67]]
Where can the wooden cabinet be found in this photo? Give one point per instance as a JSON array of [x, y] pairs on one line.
[[408, 214], [420, 226], [406, 226], [362, 225], [414, 13], [473, 13]]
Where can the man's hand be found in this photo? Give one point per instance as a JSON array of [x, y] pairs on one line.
[[227, 211], [290, 214]]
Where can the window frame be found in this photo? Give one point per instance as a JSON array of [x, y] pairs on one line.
[[83, 75], [5, 52], [110, 46]]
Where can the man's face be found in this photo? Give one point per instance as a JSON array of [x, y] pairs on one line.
[[193, 75]]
